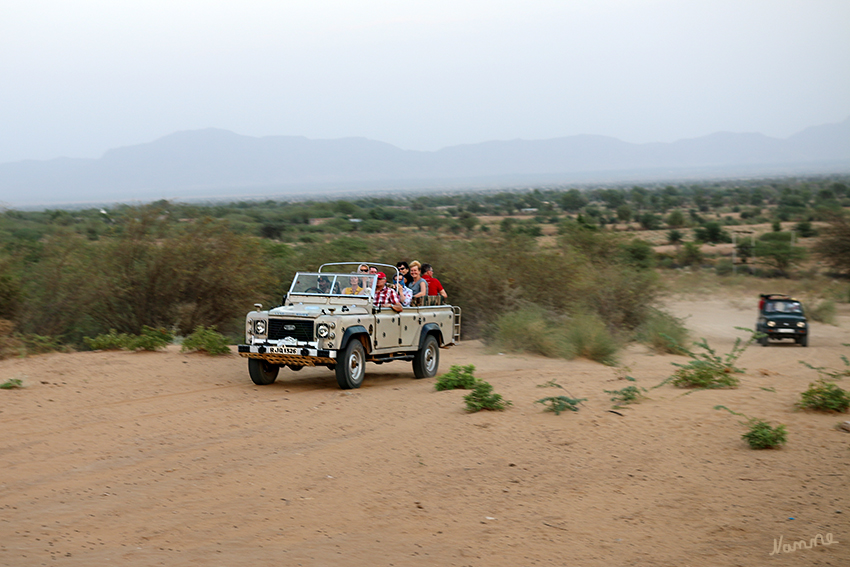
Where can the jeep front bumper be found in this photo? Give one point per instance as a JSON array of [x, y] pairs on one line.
[[289, 355]]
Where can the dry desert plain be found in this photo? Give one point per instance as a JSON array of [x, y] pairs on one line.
[[138, 459]]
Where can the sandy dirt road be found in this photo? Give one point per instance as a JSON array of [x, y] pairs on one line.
[[142, 459]]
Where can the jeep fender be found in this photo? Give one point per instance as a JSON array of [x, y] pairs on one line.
[[353, 332], [430, 329]]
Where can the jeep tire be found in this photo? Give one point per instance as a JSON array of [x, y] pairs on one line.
[[351, 365], [426, 361], [262, 373]]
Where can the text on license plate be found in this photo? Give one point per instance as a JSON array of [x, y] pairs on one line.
[[786, 330], [283, 350]]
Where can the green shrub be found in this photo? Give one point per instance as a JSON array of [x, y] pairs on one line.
[[724, 267], [700, 374], [151, 339], [823, 395], [663, 333], [588, 337], [762, 436], [11, 384], [113, 340], [557, 404], [531, 330], [824, 312], [458, 377], [482, 398], [38, 344], [206, 340], [708, 369], [690, 254], [627, 395]]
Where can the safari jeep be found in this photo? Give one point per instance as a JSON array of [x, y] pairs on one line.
[[328, 318], [781, 317]]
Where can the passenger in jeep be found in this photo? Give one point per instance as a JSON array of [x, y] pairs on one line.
[[385, 295], [355, 288]]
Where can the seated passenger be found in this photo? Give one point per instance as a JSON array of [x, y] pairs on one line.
[[436, 292], [404, 270], [418, 285], [404, 292], [355, 288], [386, 295]]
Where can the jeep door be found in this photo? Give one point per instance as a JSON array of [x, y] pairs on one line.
[[387, 329]]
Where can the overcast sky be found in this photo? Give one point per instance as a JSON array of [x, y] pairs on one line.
[[78, 77]]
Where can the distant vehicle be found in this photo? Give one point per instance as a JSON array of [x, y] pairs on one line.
[[329, 319], [781, 317]]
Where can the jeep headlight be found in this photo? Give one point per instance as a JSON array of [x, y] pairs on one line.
[[801, 324], [771, 323], [260, 326], [323, 330]]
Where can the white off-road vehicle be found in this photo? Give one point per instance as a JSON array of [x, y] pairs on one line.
[[328, 318]]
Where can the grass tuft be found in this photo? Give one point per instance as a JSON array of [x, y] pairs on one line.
[[663, 332], [824, 312], [533, 330]]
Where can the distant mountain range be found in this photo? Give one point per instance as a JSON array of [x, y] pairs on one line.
[[216, 163]]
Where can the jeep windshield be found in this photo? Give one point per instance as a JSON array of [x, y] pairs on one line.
[[331, 284], [783, 307]]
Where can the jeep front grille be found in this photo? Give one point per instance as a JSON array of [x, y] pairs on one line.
[[298, 329]]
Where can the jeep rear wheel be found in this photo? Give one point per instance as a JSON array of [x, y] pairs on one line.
[[427, 359], [351, 366], [262, 373]]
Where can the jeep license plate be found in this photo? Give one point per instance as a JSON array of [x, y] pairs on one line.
[[786, 330], [283, 350]]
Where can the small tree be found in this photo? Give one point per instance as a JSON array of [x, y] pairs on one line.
[[690, 255], [775, 249], [674, 237], [676, 219], [833, 247]]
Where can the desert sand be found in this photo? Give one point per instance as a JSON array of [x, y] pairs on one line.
[[138, 459]]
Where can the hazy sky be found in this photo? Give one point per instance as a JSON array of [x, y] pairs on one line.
[[78, 77]]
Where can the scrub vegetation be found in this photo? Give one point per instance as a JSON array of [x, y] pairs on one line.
[[760, 434], [556, 271]]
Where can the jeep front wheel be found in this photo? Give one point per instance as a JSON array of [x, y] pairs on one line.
[[262, 373], [351, 366], [427, 359]]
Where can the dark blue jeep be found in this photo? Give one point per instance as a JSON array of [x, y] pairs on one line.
[[781, 317]]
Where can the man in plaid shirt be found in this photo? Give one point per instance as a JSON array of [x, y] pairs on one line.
[[385, 295]]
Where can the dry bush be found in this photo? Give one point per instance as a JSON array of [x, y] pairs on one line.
[[148, 273], [9, 345]]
